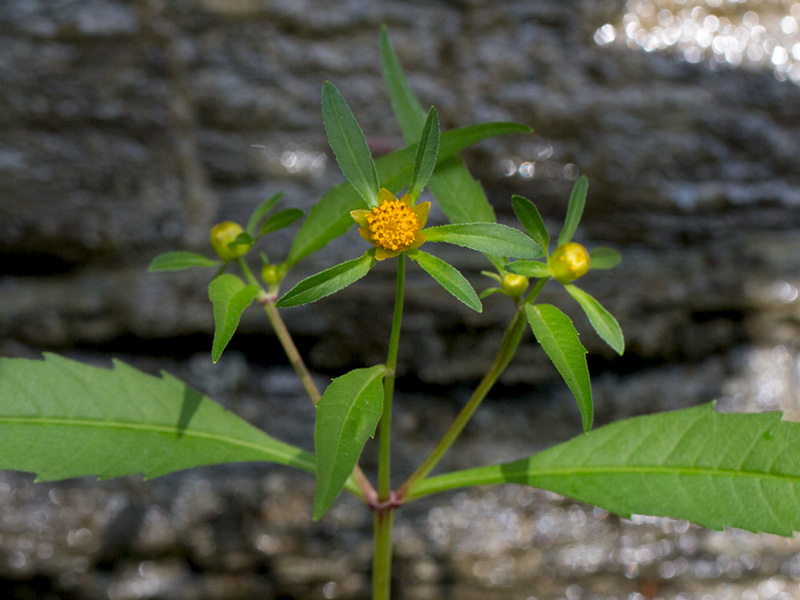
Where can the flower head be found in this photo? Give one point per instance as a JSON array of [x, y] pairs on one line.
[[393, 226], [222, 237]]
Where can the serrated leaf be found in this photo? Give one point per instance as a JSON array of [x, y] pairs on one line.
[[448, 277], [460, 196], [260, 212], [178, 261], [330, 217], [230, 296], [491, 238], [602, 321], [279, 220], [529, 217], [347, 415], [714, 469], [604, 258], [62, 419], [558, 338], [349, 144], [427, 152], [577, 200], [327, 282], [529, 268]]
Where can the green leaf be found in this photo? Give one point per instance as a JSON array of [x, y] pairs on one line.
[[604, 258], [531, 220], [603, 321], [491, 238], [327, 282], [230, 296], [448, 277], [577, 201], [349, 144], [347, 415], [461, 197], [715, 469], [330, 217], [62, 419], [177, 261], [279, 220], [260, 212], [427, 151], [557, 336], [529, 268]]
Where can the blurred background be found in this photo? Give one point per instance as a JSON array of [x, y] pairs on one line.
[[128, 128]]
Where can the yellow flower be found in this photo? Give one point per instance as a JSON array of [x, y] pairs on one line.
[[393, 226], [568, 262]]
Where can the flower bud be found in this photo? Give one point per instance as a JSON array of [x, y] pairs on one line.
[[222, 234], [271, 274], [568, 262], [514, 285]]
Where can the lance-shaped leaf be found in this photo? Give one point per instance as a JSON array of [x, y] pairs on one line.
[[604, 258], [178, 261], [558, 338], [577, 200], [230, 296], [529, 217], [715, 469], [62, 419], [261, 211], [603, 321], [491, 238], [327, 282], [347, 415], [460, 196], [349, 144], [330, 217], [529, 268], [427, 151], [448, 277], [279, 220]]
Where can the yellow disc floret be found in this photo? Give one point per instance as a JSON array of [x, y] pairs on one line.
[[568, 262], [393, 225]]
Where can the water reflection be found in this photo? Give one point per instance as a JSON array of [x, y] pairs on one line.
[[755, 34]]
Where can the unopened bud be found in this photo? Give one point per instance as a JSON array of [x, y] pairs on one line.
[[222, 235], [568, 262], [271, 274], [514, 285]]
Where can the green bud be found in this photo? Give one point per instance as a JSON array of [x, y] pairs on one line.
[[221, 237], [568, 262], [271, 274], [514, 285]]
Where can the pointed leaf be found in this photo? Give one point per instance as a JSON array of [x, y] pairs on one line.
[[577, 201], [407, 108], [327, 282], [715, 469], [604, 258], [529, 268], [427, 151], [230, 296], [448, 277], [491, 238], [177, 261], [330, 217], [349, 144], [260, 212], [529, 217], [62, 419], [558, 338], [347, 415], [603, 321], [279, 220]]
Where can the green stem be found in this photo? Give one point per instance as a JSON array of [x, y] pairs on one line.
[[506, 352], [384, 483], [382, 556], [357, 484]]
